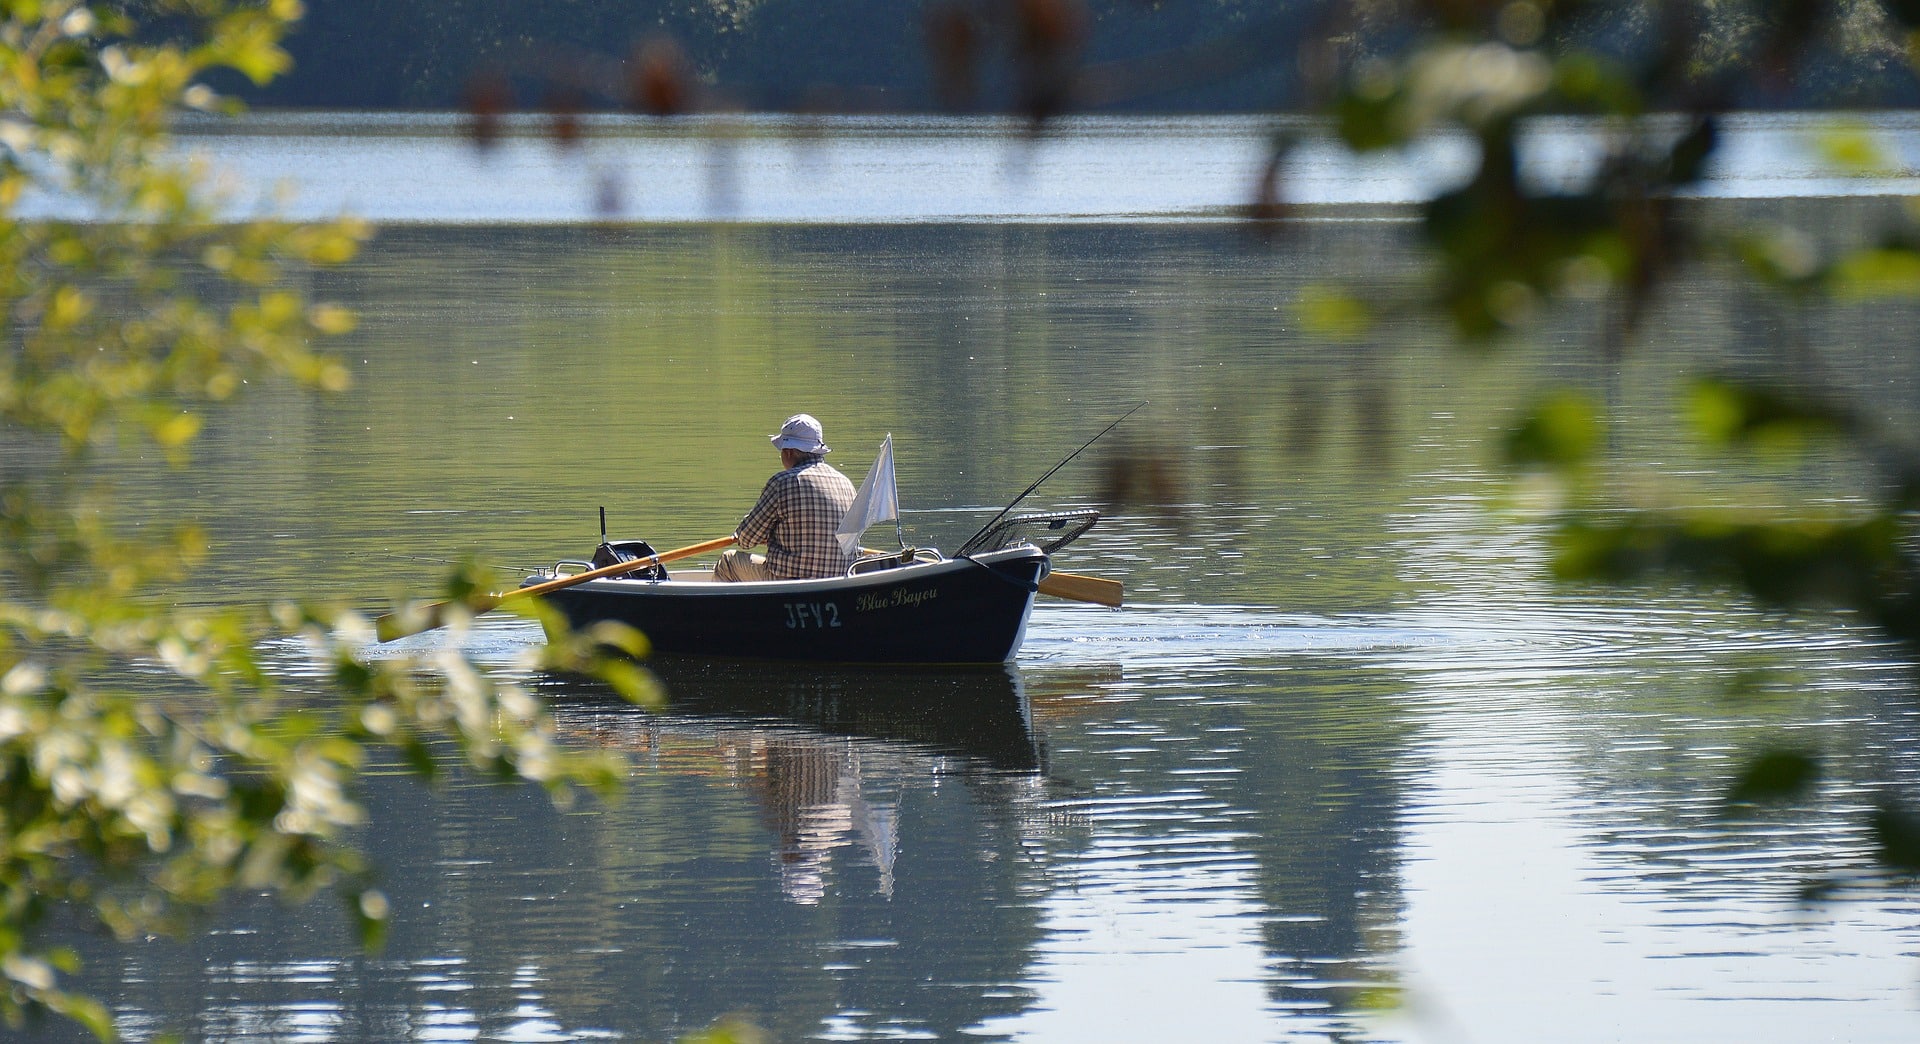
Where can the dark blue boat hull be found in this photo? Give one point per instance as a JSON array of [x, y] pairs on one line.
[[960, 611]]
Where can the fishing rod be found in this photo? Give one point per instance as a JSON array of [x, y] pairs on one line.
[[497, 567], [1036, 482]]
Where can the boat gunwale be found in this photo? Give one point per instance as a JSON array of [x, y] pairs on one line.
[[640, 586]]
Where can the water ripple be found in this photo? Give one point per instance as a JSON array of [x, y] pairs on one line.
[[1211, 636]]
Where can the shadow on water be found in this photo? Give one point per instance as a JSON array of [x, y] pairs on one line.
[[981, 714]]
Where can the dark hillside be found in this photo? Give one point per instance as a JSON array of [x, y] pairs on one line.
[[1122, 55]]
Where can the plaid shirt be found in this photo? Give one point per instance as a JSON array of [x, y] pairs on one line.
[[796, 518]]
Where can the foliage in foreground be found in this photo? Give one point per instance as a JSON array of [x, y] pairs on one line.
[[1514, 245], [149, 762]]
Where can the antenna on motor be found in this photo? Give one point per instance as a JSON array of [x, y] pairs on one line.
[[603, 523]]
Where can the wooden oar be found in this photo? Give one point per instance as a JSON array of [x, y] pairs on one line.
[[1082, 588], [428, 617]]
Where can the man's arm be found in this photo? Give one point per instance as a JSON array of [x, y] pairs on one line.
[[757, 527]]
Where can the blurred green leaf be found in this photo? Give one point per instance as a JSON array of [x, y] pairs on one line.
[[369, 912], [620, 638], [1780, 257], [1852, 148], [1364, 116], [1892, 271], [1688, 159], [1590, 82], [1896, 832], [419, 757], [1333, 314], [1775, 776], [729, 1029], [634, 684], [1728, 413], [1857, 564], [468, 581], [1817, 891], [1562, 432]]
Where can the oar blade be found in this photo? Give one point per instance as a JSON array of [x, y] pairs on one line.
[[1078, 588], [425, 616], [404, 623]]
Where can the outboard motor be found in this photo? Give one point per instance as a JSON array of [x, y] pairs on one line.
[[627, 551], [614, 552]]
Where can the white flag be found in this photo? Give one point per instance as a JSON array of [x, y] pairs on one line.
[[877, 501]]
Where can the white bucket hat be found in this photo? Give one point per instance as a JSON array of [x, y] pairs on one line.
[[801, 432]]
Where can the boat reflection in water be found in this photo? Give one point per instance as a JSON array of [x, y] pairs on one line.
[[825, 753]]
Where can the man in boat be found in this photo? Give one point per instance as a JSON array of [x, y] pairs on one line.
[[797, 514]]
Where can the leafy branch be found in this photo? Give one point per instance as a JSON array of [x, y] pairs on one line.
[[150, 762]]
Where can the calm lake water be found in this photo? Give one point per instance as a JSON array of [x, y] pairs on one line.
[[423, 167], [1346, 768]]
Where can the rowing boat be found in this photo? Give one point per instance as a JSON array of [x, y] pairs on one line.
[[913, 606]]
